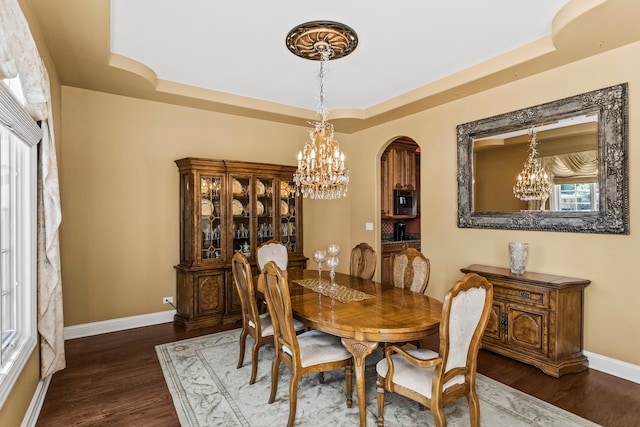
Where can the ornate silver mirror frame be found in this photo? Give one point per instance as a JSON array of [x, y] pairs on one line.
[[610, 104]]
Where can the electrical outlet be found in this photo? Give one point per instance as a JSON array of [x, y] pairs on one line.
[[167, 300]]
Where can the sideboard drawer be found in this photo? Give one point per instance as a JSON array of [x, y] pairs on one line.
[[522, 294]]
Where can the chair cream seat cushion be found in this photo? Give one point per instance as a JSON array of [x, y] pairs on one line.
[[410, 376], [318, 347], [267, 325]]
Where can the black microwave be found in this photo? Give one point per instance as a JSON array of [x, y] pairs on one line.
[[404, 202]]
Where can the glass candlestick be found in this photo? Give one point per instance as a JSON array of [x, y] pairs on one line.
[[333, 262], [333, 250], [319, 256]]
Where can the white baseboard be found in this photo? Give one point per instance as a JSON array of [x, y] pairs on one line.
[[613, 367], [31, 417], [114, 325]]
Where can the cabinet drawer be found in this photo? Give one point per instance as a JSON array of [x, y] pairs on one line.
[[522, 293]]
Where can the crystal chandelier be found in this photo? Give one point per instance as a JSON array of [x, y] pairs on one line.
[[321, 173], [533, 182]]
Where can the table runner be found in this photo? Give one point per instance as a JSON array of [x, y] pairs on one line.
[[335, 291]]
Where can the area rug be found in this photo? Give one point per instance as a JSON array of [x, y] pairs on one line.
[[208, 390]]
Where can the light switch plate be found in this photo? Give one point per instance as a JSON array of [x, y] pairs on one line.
[[368, 226]]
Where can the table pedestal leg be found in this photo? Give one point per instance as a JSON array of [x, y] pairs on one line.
[[360, 350]]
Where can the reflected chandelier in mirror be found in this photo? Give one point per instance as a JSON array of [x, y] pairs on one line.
[[582, 144]]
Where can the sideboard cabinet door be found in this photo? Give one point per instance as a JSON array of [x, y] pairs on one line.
[[496, 325], [527, 329]]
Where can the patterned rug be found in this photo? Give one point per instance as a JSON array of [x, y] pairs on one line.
[[208, 390]]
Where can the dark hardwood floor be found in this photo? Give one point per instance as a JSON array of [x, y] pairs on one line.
[[115, 379]]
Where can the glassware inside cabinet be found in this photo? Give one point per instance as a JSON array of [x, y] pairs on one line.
[[210, 217], [264, 209], [241, 212], [288, 215]]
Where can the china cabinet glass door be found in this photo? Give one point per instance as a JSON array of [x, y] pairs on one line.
[[241, 215], [264, 209], [288, 224], [211, 214]]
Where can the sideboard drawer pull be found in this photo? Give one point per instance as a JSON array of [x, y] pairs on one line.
[[524, 294]]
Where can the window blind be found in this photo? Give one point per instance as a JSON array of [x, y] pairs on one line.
[[14, 116]]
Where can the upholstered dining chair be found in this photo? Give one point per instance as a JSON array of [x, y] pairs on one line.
[[437, 379], [272, 250], [309, 352], [363, 261], [411, 270], [259, 326]]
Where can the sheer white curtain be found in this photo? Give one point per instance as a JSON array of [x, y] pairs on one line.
[[19, 56]]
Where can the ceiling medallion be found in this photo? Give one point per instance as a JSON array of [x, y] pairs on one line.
[[308, 40], [321, 172]]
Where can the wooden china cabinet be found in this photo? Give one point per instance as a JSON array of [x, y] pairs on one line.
[[227, 207]]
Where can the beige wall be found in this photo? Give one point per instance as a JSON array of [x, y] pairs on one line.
[[119, 189], [611, 314]]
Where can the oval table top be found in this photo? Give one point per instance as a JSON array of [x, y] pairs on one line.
[[391, 315]]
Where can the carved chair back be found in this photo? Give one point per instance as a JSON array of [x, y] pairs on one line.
[[411, 270], [363, 261]]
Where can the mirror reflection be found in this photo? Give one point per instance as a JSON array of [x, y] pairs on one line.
[[558, 166], [553, 166]]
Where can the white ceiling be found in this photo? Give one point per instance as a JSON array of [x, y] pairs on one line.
[[238, 46]]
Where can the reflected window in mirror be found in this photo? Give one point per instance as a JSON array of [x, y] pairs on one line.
[[575, 197]]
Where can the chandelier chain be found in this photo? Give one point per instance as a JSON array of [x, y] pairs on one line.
[[324, 65]]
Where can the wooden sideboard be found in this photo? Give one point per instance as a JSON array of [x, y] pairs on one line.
[[536, 319]]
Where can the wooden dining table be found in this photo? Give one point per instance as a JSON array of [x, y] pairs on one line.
[[386, 314]]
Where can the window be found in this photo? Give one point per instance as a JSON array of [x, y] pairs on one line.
[[575, 197], [17, 238]]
